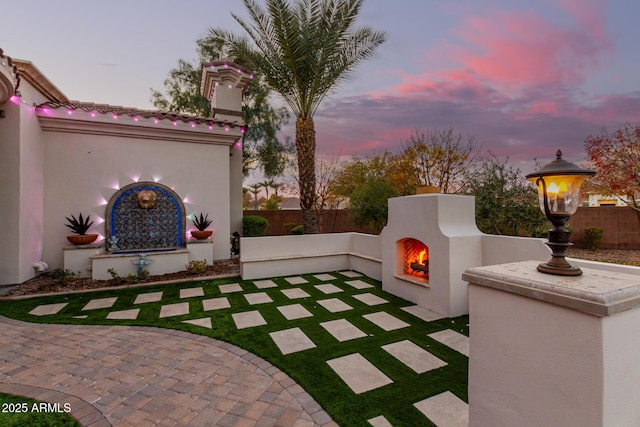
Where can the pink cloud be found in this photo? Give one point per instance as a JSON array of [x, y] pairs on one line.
[[512, 51]]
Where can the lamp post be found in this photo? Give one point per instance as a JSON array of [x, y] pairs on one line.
[[558, 186]]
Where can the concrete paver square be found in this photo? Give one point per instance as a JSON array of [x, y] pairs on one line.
[[334, 305], [47, 309], [205, 322], [445, 409], [414, 356], [386, 321], [358, 373], [191, 292], [359, 284], [297, 280], [294, 311], [176, 309], [295, 293], [291, 340], [370, 299], [232, 287], [124, 314], [215, 304], [324, 277], [258, 298], [379, 421], [248, 319], [95, 304], [423, 313], [453, 339], [328, 289], [349, 273], [342, 330], [148, 297], [264, 284]]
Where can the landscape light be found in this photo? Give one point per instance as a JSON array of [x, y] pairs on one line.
[[558, 186]]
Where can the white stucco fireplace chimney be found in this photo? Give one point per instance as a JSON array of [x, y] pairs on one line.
[[429, 241]]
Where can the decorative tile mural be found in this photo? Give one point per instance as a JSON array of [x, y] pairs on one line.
[[145, 216]]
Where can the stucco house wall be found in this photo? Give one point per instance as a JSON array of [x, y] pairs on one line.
[[60, 158], [83, 171]]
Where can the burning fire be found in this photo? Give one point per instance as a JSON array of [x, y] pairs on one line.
[[422, 257]]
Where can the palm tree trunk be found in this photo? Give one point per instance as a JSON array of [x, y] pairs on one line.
[[306, 149]]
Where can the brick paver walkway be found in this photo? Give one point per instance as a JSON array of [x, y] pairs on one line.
[[137, 376]]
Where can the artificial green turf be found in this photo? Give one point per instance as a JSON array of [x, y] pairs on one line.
[[16, 411], [309, 367]]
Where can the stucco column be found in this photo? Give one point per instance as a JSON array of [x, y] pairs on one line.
[[553, 351]]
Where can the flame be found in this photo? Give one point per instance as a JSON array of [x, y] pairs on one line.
[[422, 257]]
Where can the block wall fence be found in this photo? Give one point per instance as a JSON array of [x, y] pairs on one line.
[[621, 225]]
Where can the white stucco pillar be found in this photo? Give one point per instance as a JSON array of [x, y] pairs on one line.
[[553, 351]]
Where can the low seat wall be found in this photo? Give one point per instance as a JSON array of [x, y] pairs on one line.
[[263, 257]]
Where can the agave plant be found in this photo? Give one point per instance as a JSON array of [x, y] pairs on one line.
[[201, 222], [79, 226]]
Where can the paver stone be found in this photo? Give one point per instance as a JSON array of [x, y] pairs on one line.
[[232, 287], [264, 284], [215, 304], [294, 311], [414, 356], [358, 284], [95, 304], [148, 297], [191, 292], [124, 314], [453, 339], [291, 340], [358, 373], [295, 293], [342, 330], [370, 299], [334, 305], [248, 319], [297, 280], [48, 309], [258, 298], [176, 309], [205, 322], [445, 409], [386, 321], [328, 289]]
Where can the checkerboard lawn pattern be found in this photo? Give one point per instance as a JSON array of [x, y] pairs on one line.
[[300, 332]]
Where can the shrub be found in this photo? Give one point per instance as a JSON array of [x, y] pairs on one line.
[[288, 226], [197, 267], [593, 237], [369, 204], [115, 277], [298, 229], [62, 276], [254, 226]]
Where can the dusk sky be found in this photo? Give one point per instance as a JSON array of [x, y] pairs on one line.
[[523, 77]]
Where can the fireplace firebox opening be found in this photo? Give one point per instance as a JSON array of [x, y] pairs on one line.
[[414, 261]]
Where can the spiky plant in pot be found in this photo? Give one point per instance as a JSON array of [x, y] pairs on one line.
[[201, 223], [79, 226]]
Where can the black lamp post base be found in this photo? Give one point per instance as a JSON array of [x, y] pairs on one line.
[[559, 243], [548, 268]]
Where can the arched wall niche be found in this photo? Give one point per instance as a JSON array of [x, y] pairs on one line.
[[145, 217]]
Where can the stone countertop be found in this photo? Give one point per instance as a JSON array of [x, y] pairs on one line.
[[597, 292]]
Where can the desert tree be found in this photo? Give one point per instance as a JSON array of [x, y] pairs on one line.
[[615, 156], [261, 147]]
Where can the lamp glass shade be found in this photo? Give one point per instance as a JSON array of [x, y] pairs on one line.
[[563, 192]]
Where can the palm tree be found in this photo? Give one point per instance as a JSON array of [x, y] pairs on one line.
[[255, 190], [304, 50]]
